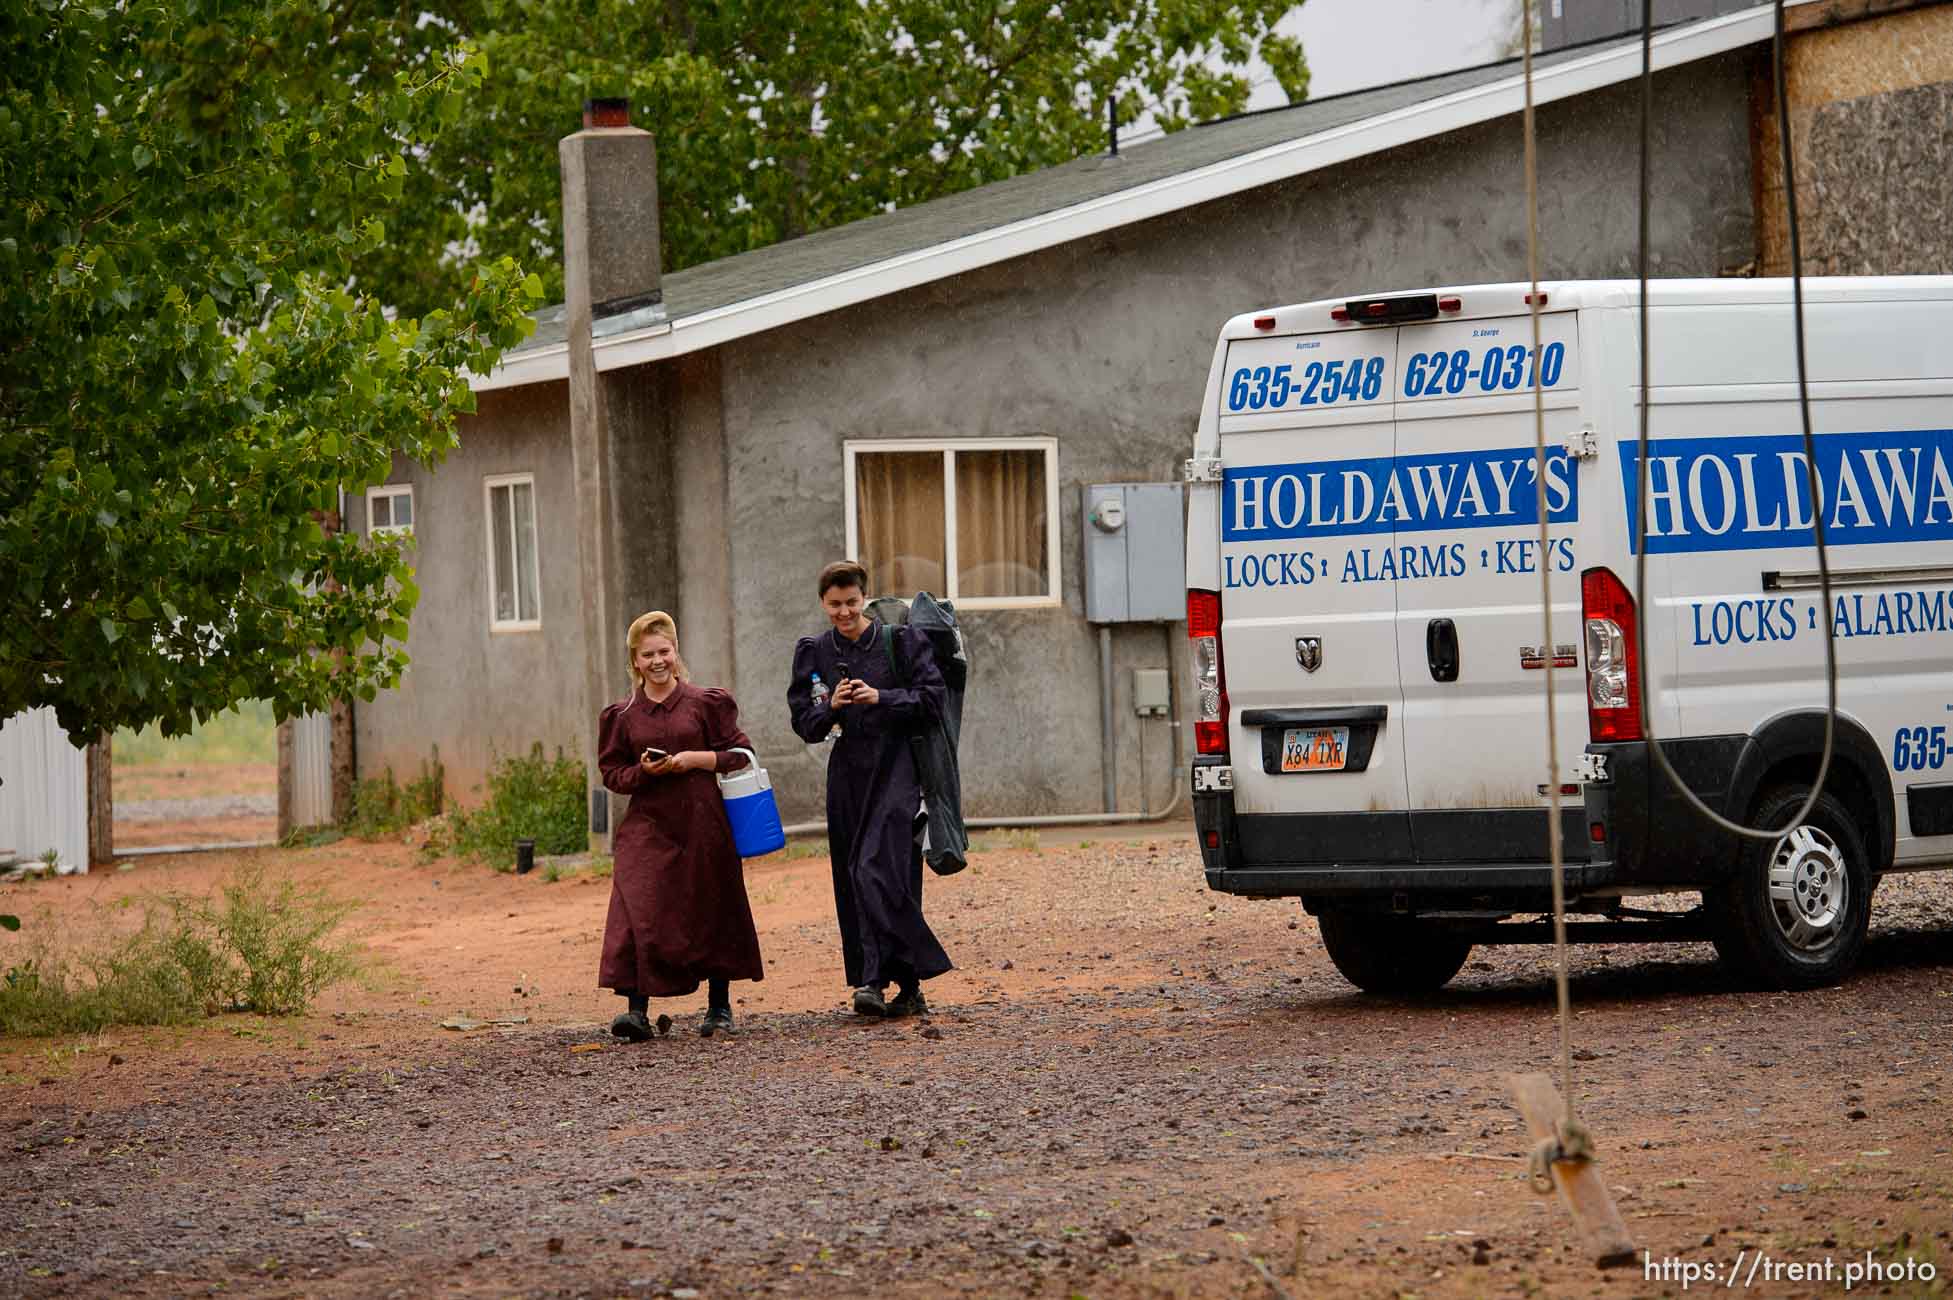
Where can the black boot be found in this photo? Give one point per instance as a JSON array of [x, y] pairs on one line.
[[908, 1001], [868, 1002], [633, 1026], [718, 1010]]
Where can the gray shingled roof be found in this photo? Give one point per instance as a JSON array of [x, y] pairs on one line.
[[874, 239]]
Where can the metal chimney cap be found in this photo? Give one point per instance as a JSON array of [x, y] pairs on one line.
[[606, 112]]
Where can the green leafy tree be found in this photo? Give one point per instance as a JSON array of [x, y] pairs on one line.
[[775, 118], [190, 373]]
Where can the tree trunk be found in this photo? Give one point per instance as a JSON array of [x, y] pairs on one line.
[[287, 781], [101, 804], [345, 769]]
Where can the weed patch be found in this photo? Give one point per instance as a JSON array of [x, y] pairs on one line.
[[258, 945], [1022, 837], [381, 806], [533, 797], [798, 849]]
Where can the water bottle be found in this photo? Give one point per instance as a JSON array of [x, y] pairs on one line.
[[820, 697]]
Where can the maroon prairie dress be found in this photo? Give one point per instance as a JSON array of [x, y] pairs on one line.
[[678, 909]]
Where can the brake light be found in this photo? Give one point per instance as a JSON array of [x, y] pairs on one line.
[[1210, 682], [1382, 311], [1613, 684]]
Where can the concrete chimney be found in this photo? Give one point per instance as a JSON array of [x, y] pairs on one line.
[[610, 214], [611, 282]]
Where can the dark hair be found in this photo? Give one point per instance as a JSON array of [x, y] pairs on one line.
[[843, 573]]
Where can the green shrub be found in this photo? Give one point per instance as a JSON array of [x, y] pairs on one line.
[[533, 797], [257, 946], [382, 807]]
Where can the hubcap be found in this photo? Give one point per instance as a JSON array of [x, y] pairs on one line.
[[1809, 891]]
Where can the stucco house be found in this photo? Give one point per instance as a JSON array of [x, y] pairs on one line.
[[932, 389]]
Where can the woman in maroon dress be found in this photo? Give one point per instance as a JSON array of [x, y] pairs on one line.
[[678, 910]]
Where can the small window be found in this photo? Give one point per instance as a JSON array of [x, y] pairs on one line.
[[390, 509], [515, 602], [971, 520]]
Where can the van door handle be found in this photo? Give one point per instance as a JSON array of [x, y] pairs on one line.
[[1441, 649]]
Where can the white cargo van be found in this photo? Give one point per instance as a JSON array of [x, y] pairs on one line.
[[1363, 565]]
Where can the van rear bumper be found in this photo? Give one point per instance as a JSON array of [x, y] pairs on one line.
[[1647, 834], [1369, 857]]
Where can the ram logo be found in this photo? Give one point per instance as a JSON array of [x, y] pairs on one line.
[[1308, 652]]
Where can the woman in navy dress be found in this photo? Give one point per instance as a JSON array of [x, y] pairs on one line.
[[678, 909], [873, 791]]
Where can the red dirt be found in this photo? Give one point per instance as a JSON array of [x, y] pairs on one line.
[[1137, 1089]]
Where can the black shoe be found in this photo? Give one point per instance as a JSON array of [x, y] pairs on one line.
[[718, 1020], [908, 1002], [868, 1002], [664, 1025], [632, 1027]]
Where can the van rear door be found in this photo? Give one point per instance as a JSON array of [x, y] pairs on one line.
[[1310, 657], [1466, 567]]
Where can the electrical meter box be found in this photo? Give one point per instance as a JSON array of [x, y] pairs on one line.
[[1135, 553]]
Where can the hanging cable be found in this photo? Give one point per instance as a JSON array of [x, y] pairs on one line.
[[1554, 848], [1812, 479]]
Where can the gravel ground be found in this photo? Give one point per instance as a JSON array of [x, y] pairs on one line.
[[1163, 1094], [203, 808]]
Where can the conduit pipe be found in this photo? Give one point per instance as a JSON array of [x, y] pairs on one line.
[[1108, 725]]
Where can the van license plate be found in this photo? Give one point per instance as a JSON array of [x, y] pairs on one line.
[[1315, 749]]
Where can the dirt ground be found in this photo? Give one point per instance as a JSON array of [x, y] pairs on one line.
[[1129, 1088]]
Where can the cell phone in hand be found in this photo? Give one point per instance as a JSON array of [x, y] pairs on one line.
[[654, 756], [842, 668]]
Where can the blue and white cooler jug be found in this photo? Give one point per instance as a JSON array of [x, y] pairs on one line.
[[755, 817]]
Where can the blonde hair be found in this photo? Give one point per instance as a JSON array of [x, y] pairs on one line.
[[656, 623]]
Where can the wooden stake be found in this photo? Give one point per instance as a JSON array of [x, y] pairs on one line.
[[1578, 1183]]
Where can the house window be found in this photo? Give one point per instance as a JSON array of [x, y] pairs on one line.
[[974, 520], [390, 509], [514, 590]]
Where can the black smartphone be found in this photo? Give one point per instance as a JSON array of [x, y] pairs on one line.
[[842, 668], [654, 755]]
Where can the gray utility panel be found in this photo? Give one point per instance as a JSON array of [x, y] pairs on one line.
[[1135, 553]]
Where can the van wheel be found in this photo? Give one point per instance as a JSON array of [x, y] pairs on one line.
[[1391, 954], [1794, 914]]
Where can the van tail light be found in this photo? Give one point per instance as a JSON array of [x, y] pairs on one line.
[[1613, 682], [1210, 680]]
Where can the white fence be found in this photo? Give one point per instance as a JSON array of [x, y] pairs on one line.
[[44, 798], [312, 770]]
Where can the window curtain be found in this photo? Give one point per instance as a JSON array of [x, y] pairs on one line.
[[899, 516], [502, 522], [1001, 547]]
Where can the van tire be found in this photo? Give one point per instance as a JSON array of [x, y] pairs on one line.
[[1812, 933], [1391, 954]]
